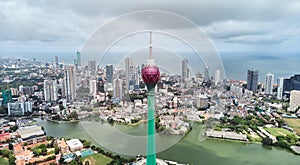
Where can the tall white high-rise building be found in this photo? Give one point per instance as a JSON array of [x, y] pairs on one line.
[[185, 70], [93, 87], [294, 100], [129, 71], [217, 77], [118, 90], [47, 90], [279, 87], [55, 90], [137, 75], [50, 90], [61, 85], [70, 83], [269, 83]]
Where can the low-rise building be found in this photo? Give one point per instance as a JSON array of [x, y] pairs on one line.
[[32, 134], [4, 136], [24, 156], [74, 145], [64, 148]]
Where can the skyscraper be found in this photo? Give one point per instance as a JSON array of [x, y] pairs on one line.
[[118, 88], [129, 71], [93, 87], [137, 76], [6, 96], [78, 58], [269, 83], [252, 80], [206, 75], [70, 83], [109, 73], [294, 100], [56, 61], [217, 78], [47, 90], [292, 83], [185, 70], [279, 87], [100, 85], [92, 65]]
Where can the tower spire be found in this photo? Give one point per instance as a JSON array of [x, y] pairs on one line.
[[150, 46], [150, 60]]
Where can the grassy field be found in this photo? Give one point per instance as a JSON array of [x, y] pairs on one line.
[[294, 123], [96, 159], [3, 161], [278, 131]]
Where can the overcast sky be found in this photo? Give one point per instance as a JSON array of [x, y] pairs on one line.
[[233, 25]]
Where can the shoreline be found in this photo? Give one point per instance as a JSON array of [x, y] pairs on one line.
[[63, 122], [137, 123], [143, 121]]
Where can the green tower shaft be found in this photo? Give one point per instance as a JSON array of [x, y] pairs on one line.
[[151, 149]]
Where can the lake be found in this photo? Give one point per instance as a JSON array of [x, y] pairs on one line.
[[188, 150]]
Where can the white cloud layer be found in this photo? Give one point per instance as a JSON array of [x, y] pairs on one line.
[[232, 24]]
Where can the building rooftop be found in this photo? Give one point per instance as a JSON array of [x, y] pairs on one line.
[[24, 153], [73, 143], [27, 132], [63, 143]]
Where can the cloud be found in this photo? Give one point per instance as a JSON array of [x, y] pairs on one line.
[[72, 22]]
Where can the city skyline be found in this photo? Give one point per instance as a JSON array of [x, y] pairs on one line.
[[149, 82]]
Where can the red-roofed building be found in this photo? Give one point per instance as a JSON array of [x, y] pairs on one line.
[[4, 136], [18, 148], [24, 156]]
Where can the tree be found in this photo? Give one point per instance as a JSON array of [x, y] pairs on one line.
[[61, 160], [267, 141], [10, 146], [74, 115], [291, 138], [6, 152], [56, 150], [93, 147], [50, 138], [11, 159], [40, 150], [13, 128], [86, 144], [61, 106]]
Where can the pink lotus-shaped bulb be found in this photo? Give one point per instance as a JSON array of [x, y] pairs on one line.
[[150, 75]]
